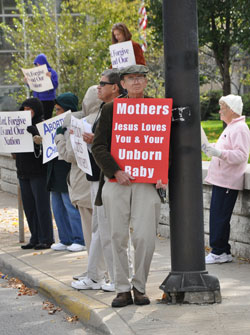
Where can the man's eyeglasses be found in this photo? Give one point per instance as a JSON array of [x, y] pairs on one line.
[[134, 79], [103, 83]]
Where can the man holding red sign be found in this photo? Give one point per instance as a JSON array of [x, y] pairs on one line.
[[129, 201]]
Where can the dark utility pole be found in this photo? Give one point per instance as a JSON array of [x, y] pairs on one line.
[[188, 281]]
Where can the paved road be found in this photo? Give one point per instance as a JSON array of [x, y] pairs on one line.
[[24, 315]]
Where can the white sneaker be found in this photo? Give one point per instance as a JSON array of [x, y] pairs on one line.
[[108, 287], [87, 284], [217, 259], [76, 247], [58, 246], [81, 276]]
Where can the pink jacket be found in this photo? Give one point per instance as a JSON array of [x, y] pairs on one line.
[[234, 143]]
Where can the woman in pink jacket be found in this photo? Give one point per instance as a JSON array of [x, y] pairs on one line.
[[226, 174]]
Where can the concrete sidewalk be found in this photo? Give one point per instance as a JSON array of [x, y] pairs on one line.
[[51, 273]]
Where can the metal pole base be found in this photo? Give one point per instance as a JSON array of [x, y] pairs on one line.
[[191, 288]]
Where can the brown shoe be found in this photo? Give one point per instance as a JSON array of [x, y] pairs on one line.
[[140, 298], [122, 300]]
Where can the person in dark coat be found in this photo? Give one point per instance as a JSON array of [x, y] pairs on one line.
[[31, 173], [68, 219]]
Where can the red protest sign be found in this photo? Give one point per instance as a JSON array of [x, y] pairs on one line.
[[140, 138]]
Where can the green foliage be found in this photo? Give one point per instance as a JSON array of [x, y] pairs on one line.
[[154, 9], [203, 79], [246, 104], [154, 54], [209, 104], [207, 67], [29, 36], [222, 25], [76, 45], [155, 87], [246, 74]]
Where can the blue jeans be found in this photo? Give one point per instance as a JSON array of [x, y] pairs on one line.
[[67, 218], [221, 209]]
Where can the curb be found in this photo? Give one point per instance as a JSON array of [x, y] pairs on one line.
[[90, 312]]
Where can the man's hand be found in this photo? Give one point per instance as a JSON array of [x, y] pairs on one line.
[[37, 139], [160, 185], [211, 151], [123, 178], [88, 137], [48, 74]]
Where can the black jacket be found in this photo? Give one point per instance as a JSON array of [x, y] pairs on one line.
[[57, 175], [30, 164]]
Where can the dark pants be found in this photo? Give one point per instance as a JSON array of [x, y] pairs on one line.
[[221, 209], [48, 107], [36, 204]]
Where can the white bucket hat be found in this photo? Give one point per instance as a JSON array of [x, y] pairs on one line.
[[234, 102]]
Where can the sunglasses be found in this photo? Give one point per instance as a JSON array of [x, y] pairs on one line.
[[103, 83]]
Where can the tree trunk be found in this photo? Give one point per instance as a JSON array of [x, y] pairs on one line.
[[224, 66], [226, 74]]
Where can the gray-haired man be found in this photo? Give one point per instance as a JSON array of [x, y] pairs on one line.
[[127, 204]]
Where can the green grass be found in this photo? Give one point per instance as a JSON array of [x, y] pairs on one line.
[[213, 129]]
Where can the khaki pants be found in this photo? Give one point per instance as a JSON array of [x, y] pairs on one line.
[[137, 206], [100, 254], [86, 218]]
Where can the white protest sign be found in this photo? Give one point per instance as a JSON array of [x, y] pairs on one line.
[[13, 134], [47, 129], [87, 126], [37, 79], [122, 54], [79, 146]]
